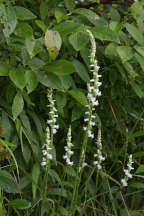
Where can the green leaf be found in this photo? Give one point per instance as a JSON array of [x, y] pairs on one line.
[[11, 21], [135, 33], [53, 43], [81, 70], [115, 16], [49, 80], [7, 182], [104, 33], [59, 14], [89, 14], [125, 53], [55, 176], [4, 68], [60, 67], [137, 90], [78, 40], [24, 30], [35, 177], [19, 204], [70, 4], [140, 169], [67, 81], [110, 51], [43, 10], [23, 13], [140, 60], [18, 105], [137, 10], [140, 50], [31, 81], [17, 75], [79, 96], [137, 185], [61, 101], [68, 27], [41, 25], [58, 191], [63, 211]]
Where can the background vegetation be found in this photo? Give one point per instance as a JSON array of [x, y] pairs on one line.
[[30, 64]]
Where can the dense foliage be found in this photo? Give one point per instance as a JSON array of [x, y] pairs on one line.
[[45, 46]]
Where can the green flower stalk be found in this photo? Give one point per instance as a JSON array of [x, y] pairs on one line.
[[99, 155], [68, 150], [93, 93], [127, 172]]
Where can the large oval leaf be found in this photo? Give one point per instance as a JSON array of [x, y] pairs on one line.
[[60, 67], [79, 96], [17, 75], [23, 13], [18, 104]]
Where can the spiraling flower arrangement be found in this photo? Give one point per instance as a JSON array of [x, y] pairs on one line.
[[68, 150], [99, 155], [93, 89], [127, 172], [51, 129]]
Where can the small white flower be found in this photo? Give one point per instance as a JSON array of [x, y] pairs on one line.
[[124, 183], [43, 163]]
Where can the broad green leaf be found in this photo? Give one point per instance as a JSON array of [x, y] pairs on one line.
[[137, 10], [11, 21], [135, 33], [114, 15], [104, 33], [61, 101], [110, 51], [70, 4], [23, 13], [67, 81], [79, 96], [36, 63], [18, 105], [17, 75], [41, 25], [125, 53], [140, 169], [53, 43], [24, 30], [26, 152], [140, 60], [60, 67], [68, 27], [30, 44], [31, 81], [78, 40], [49, 80], [19, 204], [140, 50], [59, 14], [81, 70], [43, 10], [7, 182], [77, 112], [137, 90], [4, 68], [35, 177], [89, 14]]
